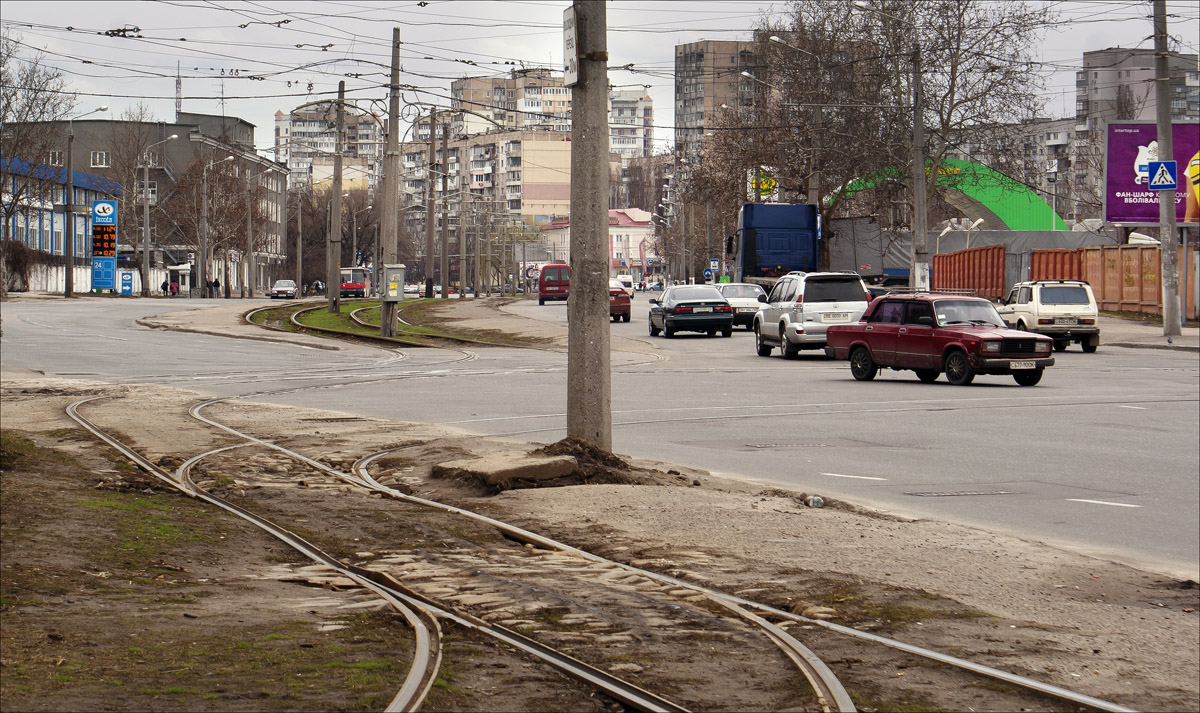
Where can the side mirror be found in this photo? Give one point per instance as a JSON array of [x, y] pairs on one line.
[[925, 320], [762, 298], [1002, 301], [654, 301]]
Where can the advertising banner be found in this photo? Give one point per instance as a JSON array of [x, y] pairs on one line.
[[1130, 147], [104, 245]]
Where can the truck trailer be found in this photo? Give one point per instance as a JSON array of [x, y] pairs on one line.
[[773, 239]]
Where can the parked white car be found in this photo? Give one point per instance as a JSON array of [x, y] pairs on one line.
[[1064, 310], [743, 297]]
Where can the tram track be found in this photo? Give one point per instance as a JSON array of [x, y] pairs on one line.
[[360, 477]]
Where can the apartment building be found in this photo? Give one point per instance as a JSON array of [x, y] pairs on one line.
[[707, 76], [631, 123], [306, 139]]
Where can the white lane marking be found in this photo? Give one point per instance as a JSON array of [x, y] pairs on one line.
[[1139, 408], [856, 477], [1103, 502]]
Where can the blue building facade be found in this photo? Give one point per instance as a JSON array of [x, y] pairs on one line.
[[35, 223]]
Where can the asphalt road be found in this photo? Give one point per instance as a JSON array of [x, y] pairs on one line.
[[1102, 456]]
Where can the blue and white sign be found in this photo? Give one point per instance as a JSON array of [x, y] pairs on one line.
[[127, 283], [1164, 175], [104, 212], [708, 274], [104, 273]]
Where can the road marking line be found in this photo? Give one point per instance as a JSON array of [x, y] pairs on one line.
[[1139, 408], [1103, 502], [856, 477]]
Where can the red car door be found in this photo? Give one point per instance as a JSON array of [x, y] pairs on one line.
[[882, 330], [915, 343]]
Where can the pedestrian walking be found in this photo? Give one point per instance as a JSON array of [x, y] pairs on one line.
[[165, 288], [174, 288], [216, 287]]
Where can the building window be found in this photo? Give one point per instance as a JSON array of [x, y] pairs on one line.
[[56, 158], [101, 159]]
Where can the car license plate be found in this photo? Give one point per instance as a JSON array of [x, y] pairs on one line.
[[1072, 321], [703, 309], [747, 309], [1020, 365], [836, 317]]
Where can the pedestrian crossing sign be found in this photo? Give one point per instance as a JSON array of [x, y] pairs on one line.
[[1163, 176]]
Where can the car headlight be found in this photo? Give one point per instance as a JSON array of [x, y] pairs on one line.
[[991, 346], [1041, 346]]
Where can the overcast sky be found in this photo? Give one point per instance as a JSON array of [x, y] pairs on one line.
[[125, 53]]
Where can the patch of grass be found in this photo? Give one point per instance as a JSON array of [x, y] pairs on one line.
[[181, 691], [275, 637], [221, 481], [19, 451]]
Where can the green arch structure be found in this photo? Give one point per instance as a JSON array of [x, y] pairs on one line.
[[979, 192]]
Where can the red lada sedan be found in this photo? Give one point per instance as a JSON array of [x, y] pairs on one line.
[[932, 333]]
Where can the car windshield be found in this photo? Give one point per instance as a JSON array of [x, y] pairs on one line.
[[966, 312], [837, 289], [284, 283], [1064, 295], [688, 294], [749, 291]]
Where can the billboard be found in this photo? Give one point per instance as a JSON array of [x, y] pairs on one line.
[[1129, 148]]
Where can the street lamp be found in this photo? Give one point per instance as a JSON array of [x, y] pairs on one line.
[[203, 267], [146, 213], [69, 206], [971, 227]]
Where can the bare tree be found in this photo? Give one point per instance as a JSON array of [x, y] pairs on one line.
[[33, 95]]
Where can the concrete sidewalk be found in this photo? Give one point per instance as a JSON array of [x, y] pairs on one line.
[[1118, 332]]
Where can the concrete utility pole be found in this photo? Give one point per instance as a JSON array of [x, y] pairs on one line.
[[69, 214], [444, 265], [333, 244], [300, 244], [918, 276], [248, 289], [390, 219], [429, 206], [589, 375], [1168, 240]]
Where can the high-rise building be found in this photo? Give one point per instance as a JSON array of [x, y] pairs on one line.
[[309, 133], [631, 123], [525, 99], [708, 74]]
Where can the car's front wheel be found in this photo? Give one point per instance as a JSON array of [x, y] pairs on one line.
[[762, 349], [1028, 378], [862, 366], [958, 369]]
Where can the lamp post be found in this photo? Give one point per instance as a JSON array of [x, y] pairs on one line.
[[248, 284], [69, 206], [146, 213], [971, 227], [203, 260]]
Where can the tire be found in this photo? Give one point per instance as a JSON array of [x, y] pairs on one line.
[[541, 302], [862, 366], [668, 332], [1089, 345], [1028, 378], [711, 332], [727, 332], [763, 350], [958, 369], [786, 350], [1060, 345], [625, 317], [653, 330], [928, 376]]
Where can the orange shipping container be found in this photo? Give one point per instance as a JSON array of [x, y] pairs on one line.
[[1055, 265], [980, 270]]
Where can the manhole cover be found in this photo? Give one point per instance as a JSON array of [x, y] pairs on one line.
[[788, 445], [956, 493]]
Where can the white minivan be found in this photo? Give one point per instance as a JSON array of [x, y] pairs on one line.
[[1064, 310]]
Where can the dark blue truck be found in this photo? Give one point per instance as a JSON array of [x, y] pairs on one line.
[[774, 239]]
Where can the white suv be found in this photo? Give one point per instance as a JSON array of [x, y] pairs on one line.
[[802, 305], [1064, 310]]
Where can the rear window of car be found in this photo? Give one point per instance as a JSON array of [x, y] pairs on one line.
[[751, 291], [696, 293], [1064, 295], [834, 289], [552, 274]]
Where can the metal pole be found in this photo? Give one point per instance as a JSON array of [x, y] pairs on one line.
[[390, 231], [589, 400], [429, 208], [918, 277], [334, 257], [444, 264], [300, 243], [202, 259], [248, 257], [1168, 240], [69, 204], [146, 224]]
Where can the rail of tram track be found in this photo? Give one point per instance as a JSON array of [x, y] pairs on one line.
[[422, 613]]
